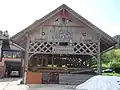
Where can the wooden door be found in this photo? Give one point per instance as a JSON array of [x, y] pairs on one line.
[[50, 78]]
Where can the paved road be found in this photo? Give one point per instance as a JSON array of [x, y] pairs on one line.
[[11, 84], [52, 87], [9, 79]]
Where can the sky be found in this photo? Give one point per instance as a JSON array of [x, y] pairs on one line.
[[16, 15]]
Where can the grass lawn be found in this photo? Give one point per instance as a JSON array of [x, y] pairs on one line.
[[111, 74]]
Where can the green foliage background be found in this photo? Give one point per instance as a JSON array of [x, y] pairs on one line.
[[111, 59]]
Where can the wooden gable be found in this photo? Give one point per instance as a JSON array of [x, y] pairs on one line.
[[50, 25]]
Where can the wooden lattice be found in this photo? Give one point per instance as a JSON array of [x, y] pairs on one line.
[[40, 47], [85, 48], [45, 47]]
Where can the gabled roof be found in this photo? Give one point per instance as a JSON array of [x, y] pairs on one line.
[[106, 40], [8, 44], [14, 46]]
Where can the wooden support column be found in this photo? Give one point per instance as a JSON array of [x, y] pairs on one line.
[[22, 64], [52, 60], [99, 67], [26, 58], [42, 60]]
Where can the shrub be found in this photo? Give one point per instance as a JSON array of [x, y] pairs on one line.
[[116, 67], [117, 70]]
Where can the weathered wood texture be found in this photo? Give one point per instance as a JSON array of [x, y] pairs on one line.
[[61, 35], [50, 24], [1, 71], [50, 78], [47, 47], [73, 79], [34, 78], [63, 32]]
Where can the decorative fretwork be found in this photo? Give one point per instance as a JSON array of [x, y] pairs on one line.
[[45, 47], [85, 48], [39, 47]]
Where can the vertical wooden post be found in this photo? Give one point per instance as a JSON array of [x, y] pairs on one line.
[[46, 61], [99, 67], [26, 58], [22, 71], [42, 61], [52, 61]]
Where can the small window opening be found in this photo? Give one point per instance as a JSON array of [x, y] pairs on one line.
[[63, 43]]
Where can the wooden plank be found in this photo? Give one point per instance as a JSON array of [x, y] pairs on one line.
[[50, 78], [63, 68], [34, 78]]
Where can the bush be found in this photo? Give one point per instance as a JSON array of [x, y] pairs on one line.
[[116, 67], [104, 66], [117, 70]]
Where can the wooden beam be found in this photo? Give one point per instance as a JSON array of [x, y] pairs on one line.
[[52, 25]]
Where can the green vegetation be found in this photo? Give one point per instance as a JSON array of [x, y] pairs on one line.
[[117, 38], [111, 74], [111, 59]]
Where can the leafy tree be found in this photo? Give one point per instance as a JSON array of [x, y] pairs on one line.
[[111, 59], [117, 38]]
